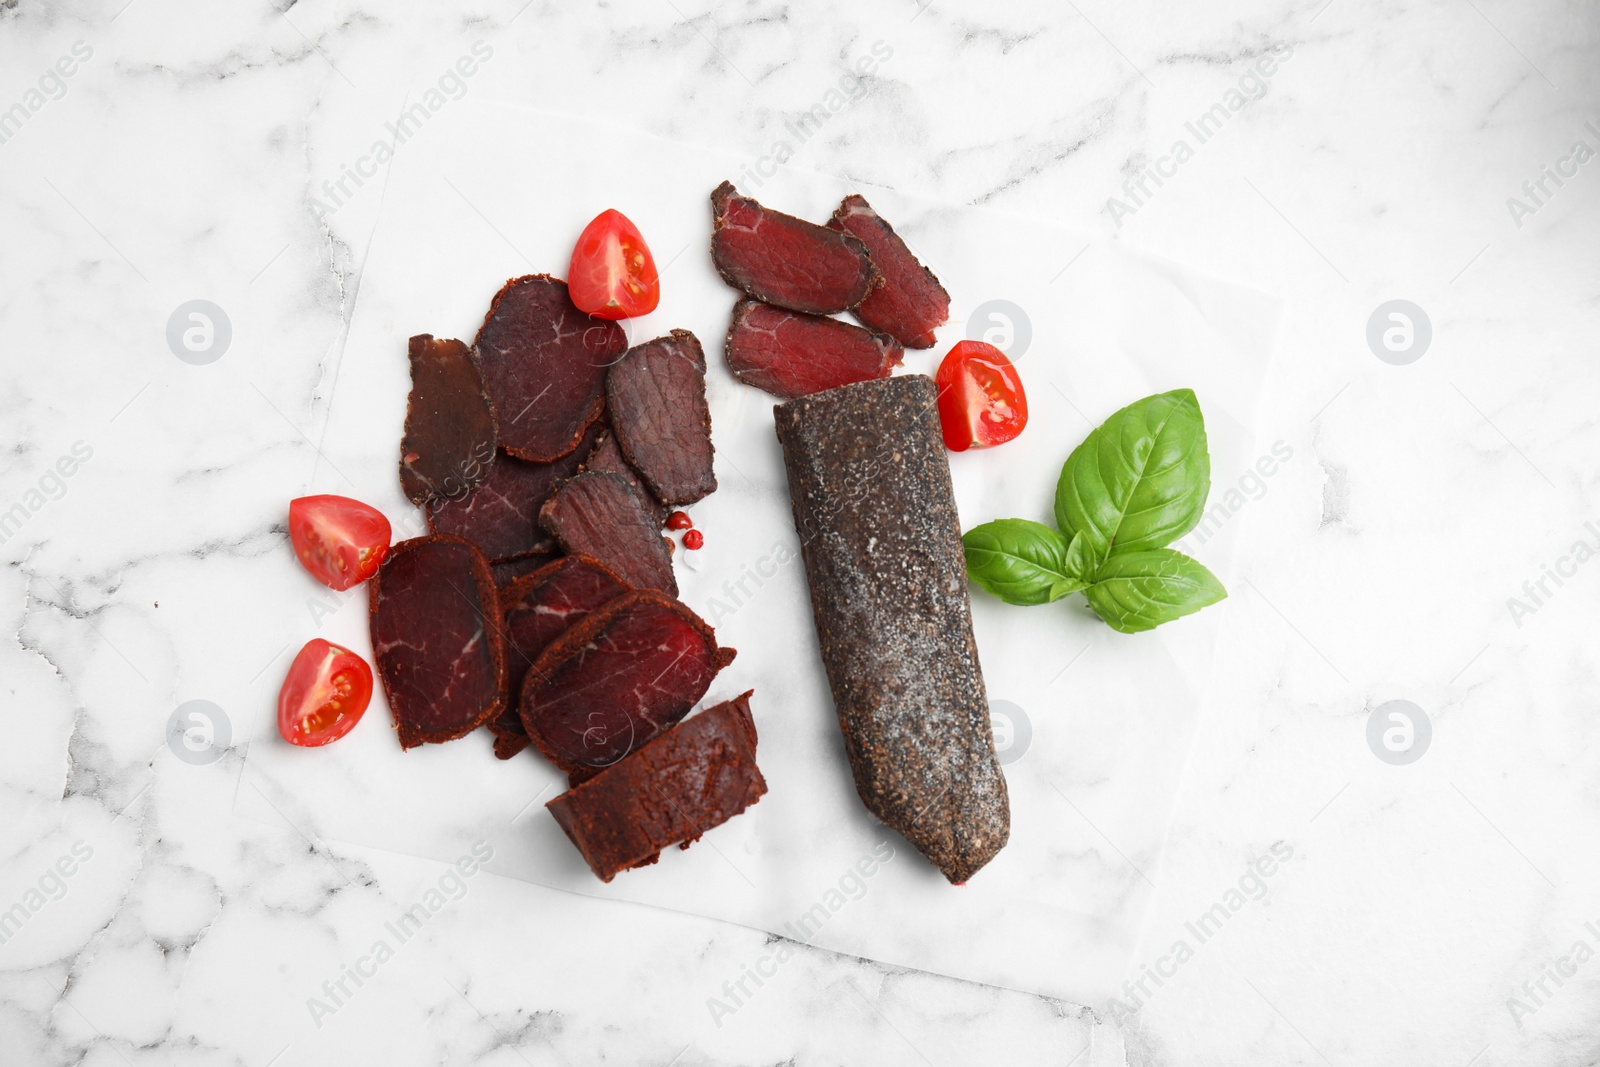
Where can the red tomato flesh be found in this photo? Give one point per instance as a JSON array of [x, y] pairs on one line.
[[339, 540], [981, 400], [613, 275], [325, 694]]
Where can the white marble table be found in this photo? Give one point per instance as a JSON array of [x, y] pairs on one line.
[[1416, 540]]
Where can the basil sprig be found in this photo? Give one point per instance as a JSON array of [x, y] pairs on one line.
[[1135, 485]]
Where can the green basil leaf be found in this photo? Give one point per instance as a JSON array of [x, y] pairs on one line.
[[1080, 558], [1137, 591], [1020, 562], [1140, 480]]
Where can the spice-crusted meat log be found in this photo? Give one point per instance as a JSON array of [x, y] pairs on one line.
[[784, 260], [694, 777], [870, 488]]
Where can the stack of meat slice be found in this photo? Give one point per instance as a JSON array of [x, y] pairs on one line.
[[543, 602], [796, 274]]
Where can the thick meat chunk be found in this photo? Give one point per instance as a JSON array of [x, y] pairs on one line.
[[599, 515], [691, 779], [545, 364], [788, 354], [539, 607], [436, 638], [448, 445], [607, 457], [656, 396], [870, 487], [616, 679], [501, 516], [784, 260], [910, 304]]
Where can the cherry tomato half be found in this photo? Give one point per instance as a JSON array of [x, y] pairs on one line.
[[613, 275], [339, 540], [325, 694], [981, 401]]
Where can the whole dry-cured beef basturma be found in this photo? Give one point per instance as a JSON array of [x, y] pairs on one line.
[[599, 514], [501, 516], [789, 354], [545, 363], [910, 304], [607, 457], [656, 397], [448, 445], [870, 487], [616, 679], [784, 260], [691, 779], [436, 638], [539, 608]]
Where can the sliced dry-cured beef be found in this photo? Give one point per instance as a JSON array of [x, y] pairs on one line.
[[616, 679], [501, 516], [784, 260], [656, 399], [789, 354], [448, 445], [870, 487], [436, 638], [539, 607], [599, 514], [691, 779], [545, 364], [607, 456], [507, 571], [910, 304]]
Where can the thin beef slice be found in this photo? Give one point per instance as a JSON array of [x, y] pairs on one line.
[[616, 679], [869, 483], [598, 514], [656, 400], [788, 354], [606, 456], [448, 445], [784, 260], [539, 607], [910, 304], [691, 779], [436, 638], [508, 571], [545, 364], [501, 516]]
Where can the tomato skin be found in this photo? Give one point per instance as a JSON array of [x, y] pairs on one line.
[[981, 399], [339, 540], [324, 695], [612, 274]]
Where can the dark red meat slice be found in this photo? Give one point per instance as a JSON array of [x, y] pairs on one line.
[[607, 456], [691, 779], [656, 397], [618, 678], [910, 304], [539, 607], [501, 516], [436, 638], [784, 260], [598, 514], [545, 364], [448, 445], [507, 571], [789, 354]]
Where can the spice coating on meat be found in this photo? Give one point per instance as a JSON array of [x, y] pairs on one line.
[[910, 304], [656, 397], [784, 260], [870, 487], [789, 354], [436, 638], [616, 679], [598, 514], [691, 779], [448, 446], [545, 364]]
